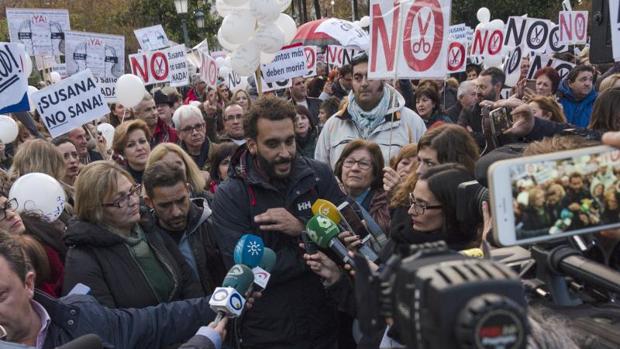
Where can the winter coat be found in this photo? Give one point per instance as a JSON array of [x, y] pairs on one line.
[[294, 311], [577, 111], [104, 262]]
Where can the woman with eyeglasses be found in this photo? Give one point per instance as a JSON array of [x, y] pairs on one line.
[[360, 171], [131, 147], [110, 251]]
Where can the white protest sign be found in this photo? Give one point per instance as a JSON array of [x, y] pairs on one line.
[[515, 31], [13, 79], [346, 33], [103, 54], [167, 65], [554, 44], [288, 63], [70, 103], [152, 38], [40, 30], [537, 34], [209, 70], [311, 60], [539, 61], [512, 66], [457, 49], [276, 85], [614, 24], [573, 27], [409, 39], [339, 55], [234, 81]]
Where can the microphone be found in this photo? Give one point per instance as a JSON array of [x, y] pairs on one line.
[[262, 271], [227, 300], [88, 341], [350, 222], [249, 250], [324, 232]]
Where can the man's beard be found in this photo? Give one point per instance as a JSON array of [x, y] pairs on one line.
[[269, 167]]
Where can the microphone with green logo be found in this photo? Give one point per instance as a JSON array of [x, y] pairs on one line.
[[228, 300], [324, 232]]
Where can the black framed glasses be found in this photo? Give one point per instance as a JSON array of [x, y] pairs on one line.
[[362, 164], [420, 207], [124, 200], [191, 129], [10, 205]]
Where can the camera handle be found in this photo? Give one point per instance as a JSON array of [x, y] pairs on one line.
[[553, 264]]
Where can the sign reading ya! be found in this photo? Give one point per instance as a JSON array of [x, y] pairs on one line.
[[408, 39]]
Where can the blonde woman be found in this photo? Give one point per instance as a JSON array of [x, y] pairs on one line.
[[171, 152]]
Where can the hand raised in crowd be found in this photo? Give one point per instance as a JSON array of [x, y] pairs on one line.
[[351, 241], [391, 179], [523, 121], [281, 220], [324, 267]]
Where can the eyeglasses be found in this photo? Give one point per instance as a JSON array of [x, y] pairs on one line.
[[420, 207], [233, 117], [124, 200], [191, 129], [362, 164], [10, 205]]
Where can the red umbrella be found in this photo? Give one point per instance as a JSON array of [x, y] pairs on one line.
[[307, 35]]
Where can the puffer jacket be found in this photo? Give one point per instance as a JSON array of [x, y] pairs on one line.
[[401, 126], [294, 311], [103, 261], [577, 112]]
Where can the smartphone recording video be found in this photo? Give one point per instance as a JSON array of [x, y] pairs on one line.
[[555, 195], [530, 84], [501, 120]]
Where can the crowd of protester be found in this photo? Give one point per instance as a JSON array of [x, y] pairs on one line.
[[151, 221]]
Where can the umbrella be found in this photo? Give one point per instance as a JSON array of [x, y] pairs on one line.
[[332, 31]]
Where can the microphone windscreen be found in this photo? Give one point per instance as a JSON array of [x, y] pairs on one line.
[[269, 260], [239, 277], [88, 341], [321, 230], [249, 250], [326, 208]]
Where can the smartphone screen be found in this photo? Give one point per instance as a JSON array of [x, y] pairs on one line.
[[531, 84], [578, 192], [501, 120]]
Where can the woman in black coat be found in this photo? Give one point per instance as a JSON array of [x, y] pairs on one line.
[[110, 251]]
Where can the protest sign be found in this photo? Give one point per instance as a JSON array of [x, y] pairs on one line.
[[70, 103], [532, 35], [457, 49], [13, 79], [40, 30], [167, 65], [346, 33], [488, 40], [234, 80], [276, 85], [512, 67], [288, 63], [573, 27], [311, 60], [103, 54], [338, 55], [409, 39], [614, 24], [209, 70], [152, 38], [536, 37], [539, 61], [515, 31]]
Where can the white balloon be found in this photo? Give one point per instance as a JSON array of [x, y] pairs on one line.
[[55, 77], [219, 61], [284, 4], [39, 193], [31, 90], [483, 15], [227, 61], [365, 21], [245, 59], [266, 58], [237, 28], [8, 129], [265, 11], [288, 27], [225, 44], [269, 38], [235, 2], [107, 131], [493, 61], [224, 71], [129, 90]]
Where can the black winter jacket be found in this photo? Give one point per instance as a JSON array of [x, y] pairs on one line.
[[152, 327], [102, 261], [294, 311]]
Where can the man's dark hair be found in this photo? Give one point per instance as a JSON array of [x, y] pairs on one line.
[[474, 67], [345, 69], [359, 59], [496, 74], [15, 256], [162, 174], [267, 107], [572, 75]]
